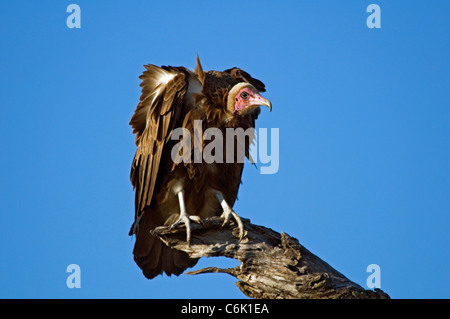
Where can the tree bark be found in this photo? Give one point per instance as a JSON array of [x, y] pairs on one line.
[[273, 265]]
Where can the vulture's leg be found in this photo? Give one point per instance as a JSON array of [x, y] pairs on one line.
[[227, 212], [185, 218]]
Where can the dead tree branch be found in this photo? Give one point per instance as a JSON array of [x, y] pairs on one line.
[[272, 265]]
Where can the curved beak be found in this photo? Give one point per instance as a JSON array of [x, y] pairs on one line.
[[260, 101]]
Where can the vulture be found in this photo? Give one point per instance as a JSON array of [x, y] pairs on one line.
[[170, 192]]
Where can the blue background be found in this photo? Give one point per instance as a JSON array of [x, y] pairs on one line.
[[363, 116]]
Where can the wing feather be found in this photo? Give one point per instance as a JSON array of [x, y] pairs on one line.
[[163, 104]]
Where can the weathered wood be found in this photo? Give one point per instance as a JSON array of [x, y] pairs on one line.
[[272, 265]]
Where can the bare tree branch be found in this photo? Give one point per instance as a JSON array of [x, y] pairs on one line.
[[272, 265]]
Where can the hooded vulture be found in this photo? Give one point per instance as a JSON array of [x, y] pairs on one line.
[[171, 192]]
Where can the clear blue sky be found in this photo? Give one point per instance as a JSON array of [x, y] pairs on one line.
[[363, 116]]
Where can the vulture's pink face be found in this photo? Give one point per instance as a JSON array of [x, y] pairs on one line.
[[249, 99]]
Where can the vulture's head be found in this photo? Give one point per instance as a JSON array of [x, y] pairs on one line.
[[244, 98]]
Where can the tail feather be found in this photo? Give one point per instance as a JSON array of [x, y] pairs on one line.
[[153, 256]]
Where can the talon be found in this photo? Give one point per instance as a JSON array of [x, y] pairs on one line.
[[227, 211], [226, 218], [240, 225], [196, 219], [185, 218]]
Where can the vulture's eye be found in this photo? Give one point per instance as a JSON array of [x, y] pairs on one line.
[[244, 95]]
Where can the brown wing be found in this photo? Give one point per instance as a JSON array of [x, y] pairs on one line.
[[167, 95]]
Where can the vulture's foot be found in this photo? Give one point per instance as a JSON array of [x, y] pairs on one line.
[[227, 212], [186, 220], [226, 216]]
